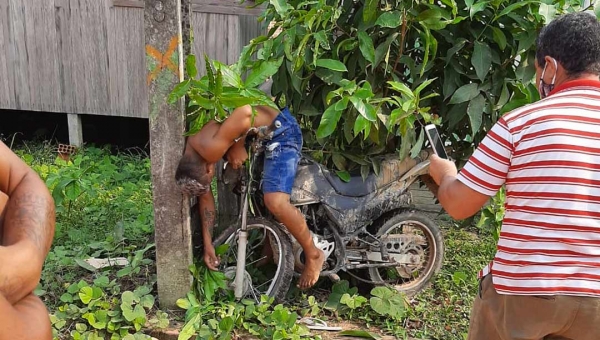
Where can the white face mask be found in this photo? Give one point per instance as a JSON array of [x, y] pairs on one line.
[[545, 88]]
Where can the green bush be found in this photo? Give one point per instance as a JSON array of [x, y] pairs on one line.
[[363, 77]]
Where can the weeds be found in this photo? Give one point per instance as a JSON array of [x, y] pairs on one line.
[[104, 210]]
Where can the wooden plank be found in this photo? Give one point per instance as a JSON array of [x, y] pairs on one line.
[[89, 81], [76, 84], [126, 62], [32, 46], [128, 3], [7, 100], [173, 238], [218, 36], [61, 3], [75, 129], [19, 55], [64, 53], [231, 7], [46, 66], [250, 28], [136, 63]]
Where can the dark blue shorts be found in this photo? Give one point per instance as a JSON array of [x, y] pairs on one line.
[[282, 155]]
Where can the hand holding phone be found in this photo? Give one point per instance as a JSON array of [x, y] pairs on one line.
[[435, 141]]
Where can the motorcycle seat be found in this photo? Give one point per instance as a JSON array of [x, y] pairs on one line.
[[356, 187], [391, 169]]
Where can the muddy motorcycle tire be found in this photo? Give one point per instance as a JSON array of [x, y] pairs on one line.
[[281, 245], [434, 253]]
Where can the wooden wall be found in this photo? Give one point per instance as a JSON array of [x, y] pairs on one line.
[[221, 28], [73, 56], [88, 56]]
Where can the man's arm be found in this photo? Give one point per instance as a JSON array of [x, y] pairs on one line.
[[206, 204], [459, 200], [28, 227], [28, 319]]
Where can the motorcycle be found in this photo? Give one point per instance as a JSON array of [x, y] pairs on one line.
[[362, 226]]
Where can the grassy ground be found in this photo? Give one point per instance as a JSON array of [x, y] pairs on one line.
[[104, 209], [442, 310]]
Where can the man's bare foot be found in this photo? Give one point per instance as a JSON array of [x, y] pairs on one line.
[[312, 269]]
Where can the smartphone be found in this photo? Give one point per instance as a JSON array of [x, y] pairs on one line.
[[435, 141]]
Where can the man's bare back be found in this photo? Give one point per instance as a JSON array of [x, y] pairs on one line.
[[214, 139]]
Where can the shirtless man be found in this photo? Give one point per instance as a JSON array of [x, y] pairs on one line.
[[26, 232], [209, 145]]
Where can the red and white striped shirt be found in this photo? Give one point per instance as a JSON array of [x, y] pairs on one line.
[[548, 156]]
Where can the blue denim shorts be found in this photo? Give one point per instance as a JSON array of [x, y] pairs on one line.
[[282, 154]]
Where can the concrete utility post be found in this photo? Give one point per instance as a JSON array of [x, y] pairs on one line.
[[166, 36]]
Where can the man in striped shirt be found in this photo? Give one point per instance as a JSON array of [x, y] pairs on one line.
[[544, 282]]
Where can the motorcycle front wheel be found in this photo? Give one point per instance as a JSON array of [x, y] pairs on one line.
[[426, 243], [269, 261]]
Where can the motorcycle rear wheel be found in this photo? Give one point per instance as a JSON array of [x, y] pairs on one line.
[[411, 279], [266, 274]]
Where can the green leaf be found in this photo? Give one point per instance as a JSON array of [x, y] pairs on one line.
[[511, 8], [382, 50], [262, 71], [281, 6], [464, 93], [547, 11], [391, 19], [387, 302], [332, 64], [85, 265], [499, 37], [73, 288], [218, 84], [458, 45], [128, 298], [73, 190], [475, 112], [190, 66], [147, 301], [66, 298], [365, 170], [230, 76], [179, 91], [102, 281], [423, 85], [360, 124], [481, 59], [124, 272], [321, 37], [402, 88], [365, 109], [477, 7], [370, 10], [184, 304], [429, 17], [366, 46], [330, 118], [209, 72], [344, 176], [226, 324], [414, 152], [86, 294], [360, 334]]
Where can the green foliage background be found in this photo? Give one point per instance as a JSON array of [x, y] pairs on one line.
[[363, 77]]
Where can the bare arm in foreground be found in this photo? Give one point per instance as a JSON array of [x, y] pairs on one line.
[[26, 232]]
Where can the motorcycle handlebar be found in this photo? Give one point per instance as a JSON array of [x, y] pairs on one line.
[[264, 132]]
